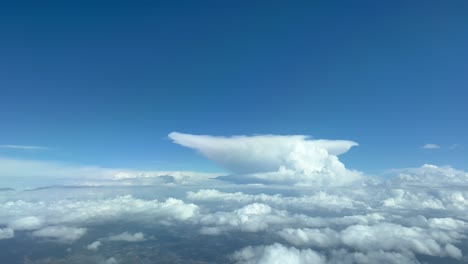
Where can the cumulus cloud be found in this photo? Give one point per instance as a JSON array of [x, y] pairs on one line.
[[128, 237], [379, 237], [430, 175], [111, 260], [277, 253], [430, 146], [251, 218], [25, 215], [94, 246], [316, 200], [26, 223], [61, 233], [297, 159], [6, 233]]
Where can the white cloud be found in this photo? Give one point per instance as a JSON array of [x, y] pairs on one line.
[[277, 254], [94, 246], [61, 233], [295, 159], [381, 237], [342, 256], [321, 238], [128, 237], [6, 233], [388, 237], [82, 212], [251, 218], [430, 146], [23, 147], [111, 261], [26, 223], [43, 173], [421, 211], [430, 175]]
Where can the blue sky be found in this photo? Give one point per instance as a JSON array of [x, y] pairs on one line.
[[104, 83]]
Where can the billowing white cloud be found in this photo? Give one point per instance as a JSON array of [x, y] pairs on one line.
[[430, 175], [277, 253], [316, 200], [60, 233], [24, 215], [94, 246], [128, 237], [111, 260], [321, 238], [430, 146], [280, 254], [251, 218], [26, 223], [6, 233], [295, 159], [380, 237]]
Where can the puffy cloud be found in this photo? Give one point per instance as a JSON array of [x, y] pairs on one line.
[[277, 254], [60, 233], [321, 238], [128, 237], [94, 246], [317, 200], [251, 218], [6, 233], [111, 260], [280, 254], [389, 237], [381, 237], [430, 175], [344, 257], [430, 146], [24, 215], [26, 223], [272, 158]]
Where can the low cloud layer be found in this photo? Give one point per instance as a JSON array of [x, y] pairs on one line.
[[396, 220], [281, 159], [24, 174], [316, 210]]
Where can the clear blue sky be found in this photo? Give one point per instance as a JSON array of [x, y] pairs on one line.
[[104, 82]]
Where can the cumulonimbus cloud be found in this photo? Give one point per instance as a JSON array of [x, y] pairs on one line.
[[276, 158]]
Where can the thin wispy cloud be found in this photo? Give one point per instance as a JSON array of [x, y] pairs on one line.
[[430, 146], [42, 173], [23, 147], [454, 146]]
